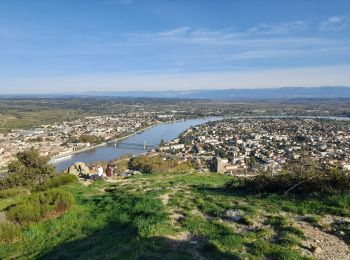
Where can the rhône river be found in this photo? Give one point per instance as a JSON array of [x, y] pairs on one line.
[[152, 136]]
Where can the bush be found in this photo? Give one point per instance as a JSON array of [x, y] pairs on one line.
[[40, 206], [56, 181], [12, 192], [153, 164], [322, 182], [29, 168], [9, 232], [93, 139]]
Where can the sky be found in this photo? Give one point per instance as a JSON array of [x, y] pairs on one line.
[[56, 46]]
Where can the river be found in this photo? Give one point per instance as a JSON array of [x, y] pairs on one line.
[[152, 136]]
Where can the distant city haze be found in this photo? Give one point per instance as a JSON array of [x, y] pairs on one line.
[[117, 45]]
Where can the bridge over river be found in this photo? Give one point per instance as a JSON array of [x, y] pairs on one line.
[[134, 145]]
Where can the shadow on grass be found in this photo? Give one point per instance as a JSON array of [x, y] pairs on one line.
[[123, 242], [128, 233]]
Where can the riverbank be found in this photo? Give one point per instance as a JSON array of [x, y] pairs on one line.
[[57, 158], [152, 135]]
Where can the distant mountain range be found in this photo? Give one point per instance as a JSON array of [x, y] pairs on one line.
[[218, 94], [238, 94]]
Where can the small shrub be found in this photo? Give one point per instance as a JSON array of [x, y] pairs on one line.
[[12, 192], [323, 182], [312, 219], [40, 206], [56, 181], [9, 232], [155, 164]]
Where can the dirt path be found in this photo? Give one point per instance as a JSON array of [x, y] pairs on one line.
[[324, 245]]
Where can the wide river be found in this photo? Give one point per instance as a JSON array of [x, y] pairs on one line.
[[152, 136]]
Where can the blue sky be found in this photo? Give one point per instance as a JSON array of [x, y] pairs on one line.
[[109, 45]]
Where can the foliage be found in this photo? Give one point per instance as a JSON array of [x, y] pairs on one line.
[[56, 181], [29, 168], [129, 220], [40, 206], [121, 166], [12, 192], [323, 181], [93, 139], [153, 164], [9, 232]]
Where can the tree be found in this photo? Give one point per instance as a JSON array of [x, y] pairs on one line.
[[93, 139], [29, 168]]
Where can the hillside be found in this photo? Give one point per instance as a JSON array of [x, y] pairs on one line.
[[183, 216]]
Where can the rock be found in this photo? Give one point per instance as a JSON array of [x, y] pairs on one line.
[[3, 217], [316, 249], [235, 215], [305, 244], [78, 168]]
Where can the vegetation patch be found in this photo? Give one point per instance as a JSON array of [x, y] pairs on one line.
[[29, 169], [12, 192], [9, 232], [41, 206], [151, 164], [56, 181], [310, 182]]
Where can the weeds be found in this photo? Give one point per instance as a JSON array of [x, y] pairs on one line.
[[56, 181], [12, 192], [9, 232]]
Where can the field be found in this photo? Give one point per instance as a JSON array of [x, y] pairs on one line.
[[30, 119], [183, 216], [29, 112]]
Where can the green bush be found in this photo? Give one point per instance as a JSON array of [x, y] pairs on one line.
[[9, 232], [41, 205], [29, 168], [321, 182], [154, 164], [93, 139], [12, 192], [56, 181]]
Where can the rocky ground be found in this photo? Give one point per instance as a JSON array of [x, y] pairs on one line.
[[182, 199]]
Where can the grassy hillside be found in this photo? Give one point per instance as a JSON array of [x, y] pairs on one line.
[[182, 216]]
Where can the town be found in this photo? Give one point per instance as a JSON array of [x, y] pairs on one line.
[[251, 145], [60, 139]]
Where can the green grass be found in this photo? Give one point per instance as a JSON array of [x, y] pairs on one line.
[[15, 119], [129, 220], [9, 232], [8, 193]]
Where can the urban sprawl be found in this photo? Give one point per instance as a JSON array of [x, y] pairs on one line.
[[233, 146]]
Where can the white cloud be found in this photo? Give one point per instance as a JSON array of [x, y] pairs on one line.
[[228, 37], [282, 28], [334, 23], [175, 32]]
